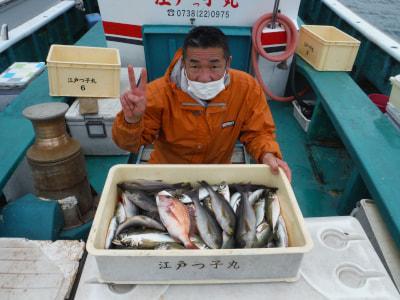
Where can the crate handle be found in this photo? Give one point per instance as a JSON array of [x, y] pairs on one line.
[[92, 124]]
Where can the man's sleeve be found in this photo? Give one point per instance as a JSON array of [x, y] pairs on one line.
[[258, 131], [131, 136]]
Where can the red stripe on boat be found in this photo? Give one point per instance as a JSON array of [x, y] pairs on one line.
[[273, 38], [121, 29]]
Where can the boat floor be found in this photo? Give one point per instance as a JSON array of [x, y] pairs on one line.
[[319, 172], [382, 14]]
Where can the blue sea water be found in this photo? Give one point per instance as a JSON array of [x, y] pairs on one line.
[[382, 14]]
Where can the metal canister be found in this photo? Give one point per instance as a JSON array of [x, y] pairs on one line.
[[57, 161]]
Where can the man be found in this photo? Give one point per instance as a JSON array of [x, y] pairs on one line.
[[196, 112]]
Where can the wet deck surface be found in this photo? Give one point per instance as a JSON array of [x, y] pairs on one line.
[[16, 12], [383, 14], [319, 172]]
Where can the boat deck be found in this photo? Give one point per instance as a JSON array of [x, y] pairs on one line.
[[321, 171]]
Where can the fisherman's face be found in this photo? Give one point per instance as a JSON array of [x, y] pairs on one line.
[[205, 64]]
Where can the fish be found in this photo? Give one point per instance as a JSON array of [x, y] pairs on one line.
[[246, 225], [223, 189], [130, 208], [255, 196], [142, 200], [175, 217], [203, 192], [259, 209], [207, 225], [228, 241], [152, 186], [263, 235], [198, 241], [120, 213], [145, 240], [234, 201], [273, 210], [224, 213], [192, 215], [112, 228], [169, 246], [140, 221], [282, 239]]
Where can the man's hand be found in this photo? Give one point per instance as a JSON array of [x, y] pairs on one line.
[[274, 162], [133, 101]]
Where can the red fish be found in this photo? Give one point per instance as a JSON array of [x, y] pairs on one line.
[[175, 217]]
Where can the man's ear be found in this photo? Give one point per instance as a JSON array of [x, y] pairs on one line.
[[228, 62]]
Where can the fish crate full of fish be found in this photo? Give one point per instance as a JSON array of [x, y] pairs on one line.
[[177, 224]]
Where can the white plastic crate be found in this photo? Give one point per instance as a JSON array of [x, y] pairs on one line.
[[298, 115], [327, 48], [394, 98], [252, 265], [78, 71]]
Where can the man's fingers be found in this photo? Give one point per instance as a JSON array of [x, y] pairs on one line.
[[132, 79], [286, 169], [143, 80]]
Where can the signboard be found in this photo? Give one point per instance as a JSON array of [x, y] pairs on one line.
[[123, 19]]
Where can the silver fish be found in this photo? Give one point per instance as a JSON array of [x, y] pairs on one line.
[[282, 239], [130, 208], [198, 241], [224, 213], [263, 235], [256, 195], [112, 228], [140, 221], [142, 200], [203, 192], [223, 189], [273, 210], [234, 201], [207, 226], [120, 213], [184, 198], [153, 186], [228, 241], [246, 228], [169, 246], [146, 240], [259, 209]]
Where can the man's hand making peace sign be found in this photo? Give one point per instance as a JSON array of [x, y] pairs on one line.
[[133, 101]]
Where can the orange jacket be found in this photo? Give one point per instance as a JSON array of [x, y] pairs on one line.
[[183, 131]]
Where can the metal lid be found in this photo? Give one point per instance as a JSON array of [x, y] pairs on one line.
[[45, 111]]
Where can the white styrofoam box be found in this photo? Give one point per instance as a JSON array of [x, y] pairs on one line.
[[94, 131], [38, 269], [303, 121], [338, 242], [367, 213], [394, 98], [393, 112], [234, 265]]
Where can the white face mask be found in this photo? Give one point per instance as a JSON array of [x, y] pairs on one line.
[[208, 90]]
